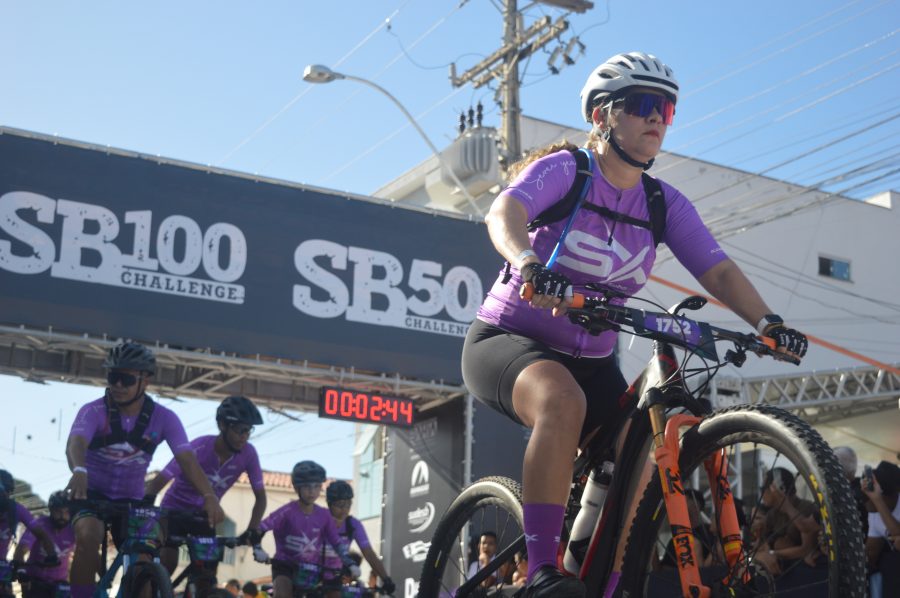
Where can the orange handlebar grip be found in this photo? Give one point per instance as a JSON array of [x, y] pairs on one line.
[[526, 292]]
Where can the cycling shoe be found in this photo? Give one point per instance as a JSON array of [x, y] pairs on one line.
[[548, 582]]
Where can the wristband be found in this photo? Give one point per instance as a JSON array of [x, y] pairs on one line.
[[525, 254], [79, 469], [766, 321]]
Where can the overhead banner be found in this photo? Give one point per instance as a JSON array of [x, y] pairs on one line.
[[102, 242]]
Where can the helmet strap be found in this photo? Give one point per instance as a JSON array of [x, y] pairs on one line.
[[611, 139]]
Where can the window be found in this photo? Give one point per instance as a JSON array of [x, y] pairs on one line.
[[834, 268]]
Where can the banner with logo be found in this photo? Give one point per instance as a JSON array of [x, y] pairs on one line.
[[423, 471], [105, 242]]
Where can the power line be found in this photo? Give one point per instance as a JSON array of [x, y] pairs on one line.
[[789, 34], [306, 90], [791, 46]]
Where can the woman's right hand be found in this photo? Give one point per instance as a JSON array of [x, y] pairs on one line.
[[549, 289]]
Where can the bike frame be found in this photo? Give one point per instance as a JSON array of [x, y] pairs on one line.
[[131, 551], [643, 404], [658, 387]]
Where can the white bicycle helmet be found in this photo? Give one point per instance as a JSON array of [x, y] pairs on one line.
[[634, 69]]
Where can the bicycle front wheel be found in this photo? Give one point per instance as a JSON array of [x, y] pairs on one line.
[[144, 574], [489, 505], [755, 440]]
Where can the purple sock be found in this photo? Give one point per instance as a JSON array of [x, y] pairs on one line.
[[611, 584], [83, 590], [542, 526]]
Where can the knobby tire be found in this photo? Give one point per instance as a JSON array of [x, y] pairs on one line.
[[816, 465]]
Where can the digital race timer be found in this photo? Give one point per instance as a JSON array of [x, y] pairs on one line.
[[365, 407]]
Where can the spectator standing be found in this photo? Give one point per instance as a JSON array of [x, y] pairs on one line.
[[882, 551]]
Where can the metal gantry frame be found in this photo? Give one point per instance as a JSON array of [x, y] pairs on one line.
[[816, 397], [47, 355]]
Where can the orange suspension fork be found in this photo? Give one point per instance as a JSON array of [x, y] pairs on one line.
[[665, 440], [725, 510]]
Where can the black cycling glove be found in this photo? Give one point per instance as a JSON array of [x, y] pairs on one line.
[[794, 341], [545, 282], [387, 584]]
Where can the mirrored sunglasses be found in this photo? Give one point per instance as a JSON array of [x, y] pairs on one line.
[[114, 377], [643, 104]]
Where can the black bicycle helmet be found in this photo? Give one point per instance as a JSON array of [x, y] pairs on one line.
[[307, 472], [58, 500], [130, 356], [238, 410], [338, 490], [7, 483]]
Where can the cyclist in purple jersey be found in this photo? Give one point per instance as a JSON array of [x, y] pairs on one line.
[[223, 459], [301, 529], [41, 579], [109, 449], [339, 495], [558, 379], [11, 515]]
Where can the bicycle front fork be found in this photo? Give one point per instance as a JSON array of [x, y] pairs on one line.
[[667, 451]]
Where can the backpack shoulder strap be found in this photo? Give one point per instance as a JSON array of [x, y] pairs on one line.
[[656, 207], [117, 434], [136, 436], [348, 527], [562, 208]]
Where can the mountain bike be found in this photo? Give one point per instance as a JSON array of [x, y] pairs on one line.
[[665, 422], [143, 536], [205, 553], [308, 582], [33, 586]]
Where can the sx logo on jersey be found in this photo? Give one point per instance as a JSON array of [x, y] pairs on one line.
[[418, 485], [597, 258]]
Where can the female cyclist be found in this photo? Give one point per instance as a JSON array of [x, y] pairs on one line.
[[558, 379]]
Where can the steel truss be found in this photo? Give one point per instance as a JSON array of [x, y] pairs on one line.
[[816, 397], [46, 355]]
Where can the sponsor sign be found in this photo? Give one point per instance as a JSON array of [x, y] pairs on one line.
[[422, 476], [418, 485], [416, 551], [109, 243], [420, 519]]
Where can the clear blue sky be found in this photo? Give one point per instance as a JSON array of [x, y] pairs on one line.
[[763, 83]]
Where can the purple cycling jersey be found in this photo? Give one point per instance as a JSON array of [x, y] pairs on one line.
[[63, 539], [23, 516], [597, 249], [118, 470], [298, 536], [357, 534], [222, 476]]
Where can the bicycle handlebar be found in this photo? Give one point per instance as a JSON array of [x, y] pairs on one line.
[[597, 314]]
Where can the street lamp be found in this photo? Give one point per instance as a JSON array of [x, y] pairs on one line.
[[317, 73]]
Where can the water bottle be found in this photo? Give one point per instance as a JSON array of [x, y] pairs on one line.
[[591, 505]]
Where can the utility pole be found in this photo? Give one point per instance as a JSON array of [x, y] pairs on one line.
[[503, 64]]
